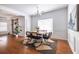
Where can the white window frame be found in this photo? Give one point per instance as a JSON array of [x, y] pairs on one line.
[[46, 24], [3, 27]]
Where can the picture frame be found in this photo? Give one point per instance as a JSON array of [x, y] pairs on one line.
[[73, 21]]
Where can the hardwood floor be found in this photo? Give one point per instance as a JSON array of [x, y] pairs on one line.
[[63, 47], [12, 45]]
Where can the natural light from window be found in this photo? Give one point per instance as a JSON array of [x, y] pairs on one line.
[[46, 24], [3, 26]]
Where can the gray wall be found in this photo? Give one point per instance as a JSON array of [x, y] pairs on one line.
[[22, 24], [27, 23], [59, 21]]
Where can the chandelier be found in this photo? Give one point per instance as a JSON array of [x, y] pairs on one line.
[[38, 11]]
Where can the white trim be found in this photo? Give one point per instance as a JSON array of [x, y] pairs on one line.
[[71, 47]]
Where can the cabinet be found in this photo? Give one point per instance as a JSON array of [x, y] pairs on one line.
[[73, 39]]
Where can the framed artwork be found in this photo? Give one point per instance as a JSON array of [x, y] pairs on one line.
[[72, 23]]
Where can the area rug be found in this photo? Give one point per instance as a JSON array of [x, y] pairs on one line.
[[48, 48]]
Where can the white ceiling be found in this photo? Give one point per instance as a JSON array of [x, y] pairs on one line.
[[31, 9]]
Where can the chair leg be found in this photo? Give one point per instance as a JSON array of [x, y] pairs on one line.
[[40, 43], [44, 41]]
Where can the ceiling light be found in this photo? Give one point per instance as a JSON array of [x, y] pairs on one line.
[[38, 11]]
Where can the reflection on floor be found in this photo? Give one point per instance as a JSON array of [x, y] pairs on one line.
[[12, 45], [3, 41]]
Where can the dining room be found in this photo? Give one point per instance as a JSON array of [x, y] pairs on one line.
[[35, 31]]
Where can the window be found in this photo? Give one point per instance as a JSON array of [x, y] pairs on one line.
[[3, 26], [46, 24]]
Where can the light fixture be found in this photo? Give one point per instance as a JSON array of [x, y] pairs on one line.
[[38, 11]]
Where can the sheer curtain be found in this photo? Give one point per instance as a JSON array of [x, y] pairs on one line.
[[3, 26], [46, 24]]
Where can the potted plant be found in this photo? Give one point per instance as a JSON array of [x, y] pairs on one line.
[[17, 30]]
